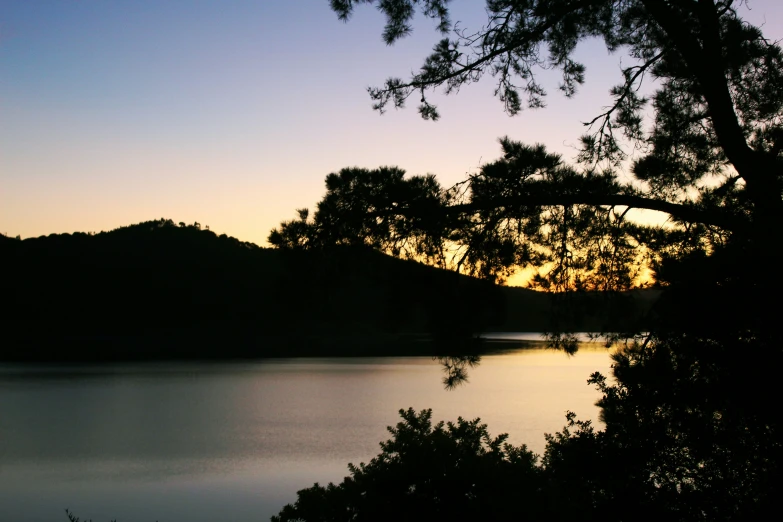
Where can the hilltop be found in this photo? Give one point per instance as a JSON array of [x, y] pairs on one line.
[[161, 290]]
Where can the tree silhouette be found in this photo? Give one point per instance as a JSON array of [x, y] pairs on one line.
[[427, 471], [687, 434], [708, 154], [359, 209]]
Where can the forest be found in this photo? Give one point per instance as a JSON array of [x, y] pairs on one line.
[[695, 132], [160, 290]]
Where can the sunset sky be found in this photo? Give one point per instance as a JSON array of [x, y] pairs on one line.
[[231, 113]]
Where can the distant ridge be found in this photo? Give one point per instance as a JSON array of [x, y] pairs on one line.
[[161, 290]]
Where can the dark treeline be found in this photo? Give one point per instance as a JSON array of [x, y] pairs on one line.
[[690, 430], [162, 290]]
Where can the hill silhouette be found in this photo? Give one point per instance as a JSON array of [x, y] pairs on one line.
[[161, 290]]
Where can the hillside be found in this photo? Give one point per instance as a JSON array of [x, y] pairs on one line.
[[158, 290]]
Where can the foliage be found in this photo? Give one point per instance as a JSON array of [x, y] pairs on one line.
[[354, 212], [74, 518], [704, 147], [427, 471], [157, 290], [688, 434], [686, 438]]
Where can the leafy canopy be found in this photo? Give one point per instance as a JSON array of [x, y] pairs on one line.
[[704, 147], [687, 434], [426, 471]]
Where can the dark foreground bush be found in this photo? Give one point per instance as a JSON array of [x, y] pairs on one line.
[[445, 471], [686, 438]]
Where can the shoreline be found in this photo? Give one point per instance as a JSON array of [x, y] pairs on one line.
[[107, 349]]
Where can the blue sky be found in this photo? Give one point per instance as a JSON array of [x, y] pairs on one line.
[[231, 113]]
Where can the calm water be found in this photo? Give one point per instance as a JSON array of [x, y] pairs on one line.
[[235, 441]]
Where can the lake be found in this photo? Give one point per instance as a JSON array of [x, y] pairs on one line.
[[234, 441]]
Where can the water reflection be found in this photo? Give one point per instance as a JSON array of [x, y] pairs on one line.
[[207, 441]]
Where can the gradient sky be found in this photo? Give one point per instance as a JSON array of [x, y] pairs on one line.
[[232, 112]]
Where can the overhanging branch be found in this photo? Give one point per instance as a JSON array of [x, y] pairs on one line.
[[421, 82], [678, 211]]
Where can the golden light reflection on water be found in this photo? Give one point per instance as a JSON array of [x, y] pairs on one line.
[[235, 441]]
